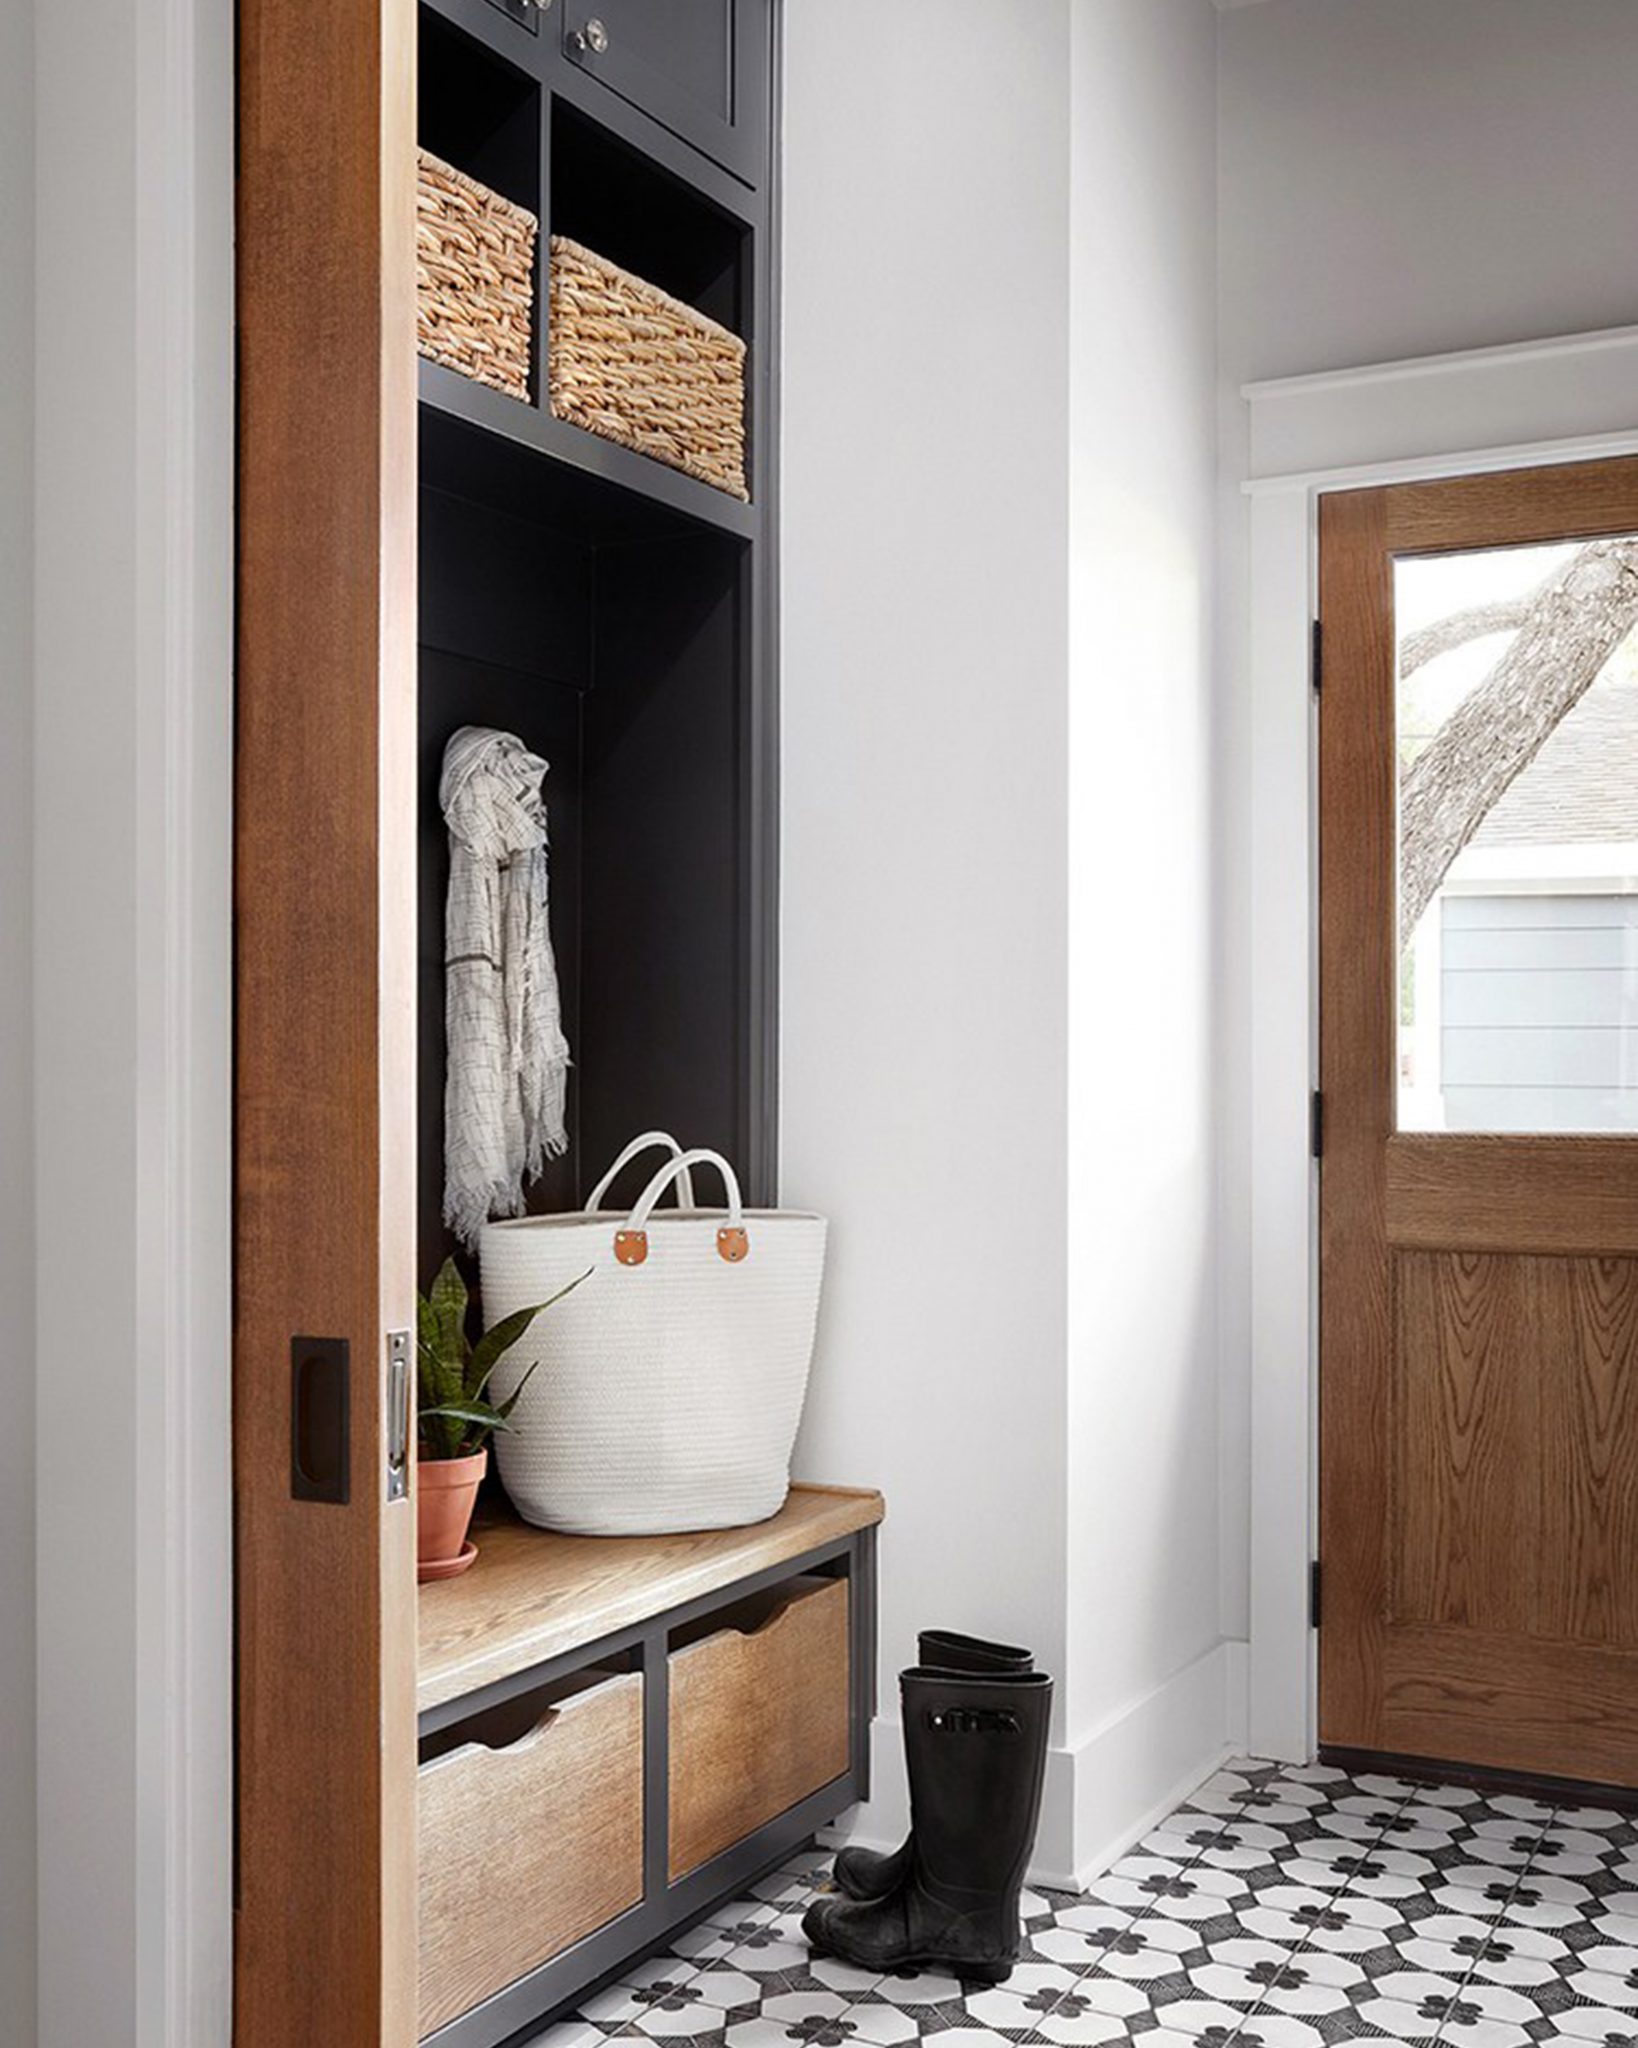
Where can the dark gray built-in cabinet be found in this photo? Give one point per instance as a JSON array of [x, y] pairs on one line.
[[615, 613], [596, 1770]]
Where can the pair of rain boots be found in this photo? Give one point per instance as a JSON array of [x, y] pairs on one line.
[[975, 1718]]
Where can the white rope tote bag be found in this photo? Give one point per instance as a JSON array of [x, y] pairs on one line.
[[671, 1383]]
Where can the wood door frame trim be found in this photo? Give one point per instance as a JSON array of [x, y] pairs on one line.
[[1541, 403], [324, 905]]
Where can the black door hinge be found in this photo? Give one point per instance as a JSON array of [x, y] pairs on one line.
[[1316, 1124], [1316, 656], [1314, 1594]]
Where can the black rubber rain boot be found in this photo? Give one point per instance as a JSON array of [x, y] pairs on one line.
[[873, 1873], [976, 1750]]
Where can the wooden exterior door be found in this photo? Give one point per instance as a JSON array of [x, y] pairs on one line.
[[325, 939], [1479, 1176]]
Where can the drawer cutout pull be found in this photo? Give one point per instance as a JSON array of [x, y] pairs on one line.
[[520, 1725], [754, 1617]]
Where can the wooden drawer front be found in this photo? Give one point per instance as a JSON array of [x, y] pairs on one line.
[[759, 1718], [525, 1849]]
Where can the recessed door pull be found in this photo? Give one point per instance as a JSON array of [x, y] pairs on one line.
[[398, 1414], [320, 1419]]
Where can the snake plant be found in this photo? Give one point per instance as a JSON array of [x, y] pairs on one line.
[[454, 1418]]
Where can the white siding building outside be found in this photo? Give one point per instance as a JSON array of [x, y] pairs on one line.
[[1526, 963]]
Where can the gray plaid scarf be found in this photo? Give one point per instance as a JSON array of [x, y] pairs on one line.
[[508, 1060]]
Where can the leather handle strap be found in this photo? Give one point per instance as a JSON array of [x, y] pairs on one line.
[[733, 1245]]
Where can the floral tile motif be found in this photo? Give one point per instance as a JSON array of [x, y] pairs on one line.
[[1028, 1998], [1278, 1907], [663, 1981]]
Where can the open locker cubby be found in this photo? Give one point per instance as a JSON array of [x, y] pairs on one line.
[[616, 615], [623, 665], [613, 199], [479, 113]]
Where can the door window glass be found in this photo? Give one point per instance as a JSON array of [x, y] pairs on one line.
[[1517, 731]]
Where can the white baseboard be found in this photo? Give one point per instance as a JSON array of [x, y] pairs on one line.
[[1138, 1764], [1109, 1789]]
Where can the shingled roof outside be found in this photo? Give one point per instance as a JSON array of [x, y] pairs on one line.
[[1583, 785]]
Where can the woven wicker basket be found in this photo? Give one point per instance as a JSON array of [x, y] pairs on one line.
[[475, 277], [627, 361]]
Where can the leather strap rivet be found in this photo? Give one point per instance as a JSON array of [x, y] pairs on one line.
[[631, 1246], [732, 1245]]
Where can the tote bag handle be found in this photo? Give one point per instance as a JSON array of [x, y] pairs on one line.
[[631, 1243], [649, 1139]]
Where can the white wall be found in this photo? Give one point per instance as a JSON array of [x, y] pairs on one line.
[[1148, 1681], [925, 536], [17, 1914], [133, 525], [85, 988], [1395, 179], [1399, 178], [998, 470]]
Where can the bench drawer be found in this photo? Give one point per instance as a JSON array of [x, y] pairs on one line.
[[528, 1840], [758, 1715]]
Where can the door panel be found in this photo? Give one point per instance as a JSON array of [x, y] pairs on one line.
[[699, 67], [324, 1087], [1505, 1703], [1478, 1293], [1465, 1421]]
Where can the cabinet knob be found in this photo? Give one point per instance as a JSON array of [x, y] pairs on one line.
[[593, 37]]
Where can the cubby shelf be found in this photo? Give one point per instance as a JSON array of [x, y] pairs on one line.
[[496, 450]]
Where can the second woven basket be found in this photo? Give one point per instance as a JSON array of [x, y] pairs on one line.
[[631, 363]]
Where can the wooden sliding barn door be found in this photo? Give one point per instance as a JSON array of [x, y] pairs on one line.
[[325, 936], [1478, 794]]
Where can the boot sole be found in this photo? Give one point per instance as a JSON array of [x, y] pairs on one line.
[[969, 1973]]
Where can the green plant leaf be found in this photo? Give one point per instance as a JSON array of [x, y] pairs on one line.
[[440, 1435], [468, 1423], [494, 1344], [504, 1408], [448, 1302], [437, 1379]]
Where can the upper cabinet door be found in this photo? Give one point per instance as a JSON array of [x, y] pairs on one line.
[[699, 67]]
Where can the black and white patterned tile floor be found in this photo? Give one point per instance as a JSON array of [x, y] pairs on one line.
[[1277, 1908]]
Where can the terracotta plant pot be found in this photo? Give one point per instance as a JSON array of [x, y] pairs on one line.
[[446, 1491]]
